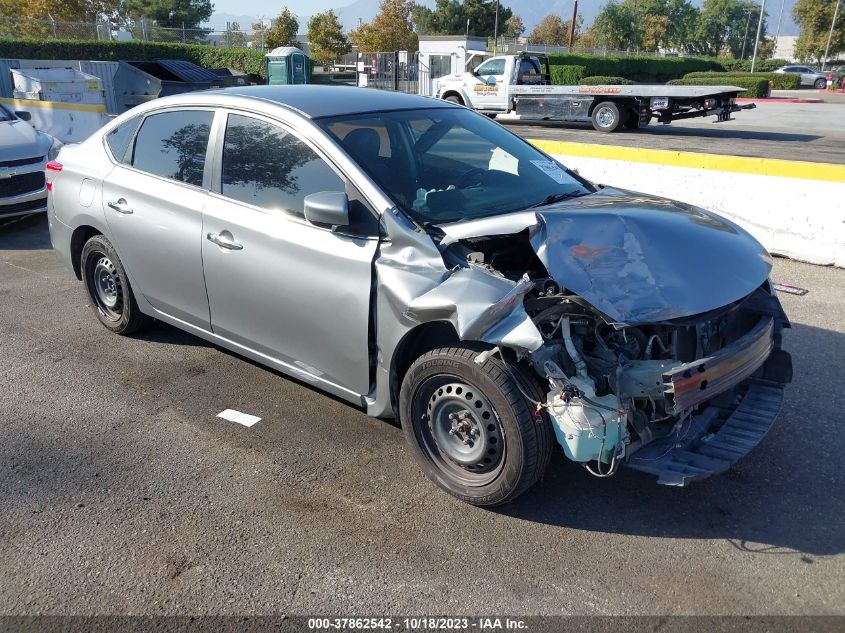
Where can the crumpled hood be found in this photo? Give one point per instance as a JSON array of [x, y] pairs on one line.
[[634, 257], [18, 139]]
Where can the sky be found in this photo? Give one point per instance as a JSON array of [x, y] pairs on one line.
[[225, 10]]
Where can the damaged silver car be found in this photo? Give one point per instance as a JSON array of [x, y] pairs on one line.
[[422, 262]]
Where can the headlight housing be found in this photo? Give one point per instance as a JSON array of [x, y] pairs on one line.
[[53, 152]]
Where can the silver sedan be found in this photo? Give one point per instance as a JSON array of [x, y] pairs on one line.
[[420, 261], [809, 77]]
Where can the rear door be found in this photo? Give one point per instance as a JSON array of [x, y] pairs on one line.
[[277, 284], [153, 201]]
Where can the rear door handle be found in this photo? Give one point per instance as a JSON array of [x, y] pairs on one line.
[[120, 206], [224, 242]]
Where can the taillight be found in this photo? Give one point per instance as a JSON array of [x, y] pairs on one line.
[[52, 168]]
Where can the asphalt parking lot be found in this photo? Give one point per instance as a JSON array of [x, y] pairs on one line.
[[791, 131], [122, 493]]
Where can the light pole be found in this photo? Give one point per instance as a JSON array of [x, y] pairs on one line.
[[830, 34], [759, 28]]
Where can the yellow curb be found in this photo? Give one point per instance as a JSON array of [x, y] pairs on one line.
[[737, 164]]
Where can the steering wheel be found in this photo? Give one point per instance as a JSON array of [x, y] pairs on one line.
[[474, 176]]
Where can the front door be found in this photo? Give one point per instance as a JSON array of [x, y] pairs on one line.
[[153, 205], [277, 284], [489, 85]]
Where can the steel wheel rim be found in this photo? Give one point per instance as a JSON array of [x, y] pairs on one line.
[[459, 430], [104, 286], [605, 117]]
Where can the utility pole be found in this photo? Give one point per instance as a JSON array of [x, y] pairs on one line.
[[745, 37], [496, 29], [757, 39], [830, 34], [572, 25]]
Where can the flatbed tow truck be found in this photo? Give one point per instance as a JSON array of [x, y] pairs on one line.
[[521, 85]]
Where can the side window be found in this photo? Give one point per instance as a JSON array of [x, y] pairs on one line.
[[268, 167], [120, 138], [492, 67], [173, 145]]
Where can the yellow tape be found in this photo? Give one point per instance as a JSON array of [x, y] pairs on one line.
[[694, 160], [24, 104]]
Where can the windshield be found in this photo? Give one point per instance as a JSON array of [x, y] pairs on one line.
[[451, 164]]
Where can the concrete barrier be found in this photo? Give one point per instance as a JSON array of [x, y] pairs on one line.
[[795, 208], [69, 122]]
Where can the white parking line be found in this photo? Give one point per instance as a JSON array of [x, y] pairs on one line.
[[236, 416]]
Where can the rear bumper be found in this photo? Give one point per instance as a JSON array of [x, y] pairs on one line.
[[713, 439]]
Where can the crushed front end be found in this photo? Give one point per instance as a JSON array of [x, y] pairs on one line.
[[661, 333]]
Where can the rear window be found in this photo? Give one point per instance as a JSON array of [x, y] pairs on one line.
[[120, 138], [173, 145]]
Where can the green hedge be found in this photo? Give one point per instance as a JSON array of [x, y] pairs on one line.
[[243, 59], [779, 81], [601, 80], [744, 65], [641, 69], [567, 75], [755, 88]]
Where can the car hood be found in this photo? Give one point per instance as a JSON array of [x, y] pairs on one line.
[[18, 139], [634, 257]]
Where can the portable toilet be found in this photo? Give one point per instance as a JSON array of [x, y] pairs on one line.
[[287, 65]]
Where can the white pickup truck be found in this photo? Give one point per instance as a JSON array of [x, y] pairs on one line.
[[521, 85]]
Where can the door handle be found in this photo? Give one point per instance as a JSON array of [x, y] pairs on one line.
[[120, 206], [224, 242]]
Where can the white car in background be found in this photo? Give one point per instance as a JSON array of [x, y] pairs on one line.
[[23, 153]]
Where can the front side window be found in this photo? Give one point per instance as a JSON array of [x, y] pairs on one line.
[[449, 164], [173, 145], [266, 166], [120, 138], [494, 67]]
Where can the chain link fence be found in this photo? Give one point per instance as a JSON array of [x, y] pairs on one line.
[[141, 29]]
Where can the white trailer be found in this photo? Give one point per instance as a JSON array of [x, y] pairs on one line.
[[521, 85]]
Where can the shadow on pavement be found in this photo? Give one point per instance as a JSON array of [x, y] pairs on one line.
[[25, 233], [785, 497]]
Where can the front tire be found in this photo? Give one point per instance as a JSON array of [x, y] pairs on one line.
[[108, 288], [471, 429], [606, 117]]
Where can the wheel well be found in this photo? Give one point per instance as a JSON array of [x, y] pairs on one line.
[[414, 344], [622, 104], [453, 93], [81, 234]]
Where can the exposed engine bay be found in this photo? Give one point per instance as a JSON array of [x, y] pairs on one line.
[[614, 388]]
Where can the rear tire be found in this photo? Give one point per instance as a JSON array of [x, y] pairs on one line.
[[455, 99], [108, 288], [606, 117], [820, 84], [471, 429]]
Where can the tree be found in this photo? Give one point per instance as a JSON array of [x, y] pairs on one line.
[[514, 27], [646, 24], [813, 18], [727, 27], [171, 19], [40, 17], [326, 41], [450, 17], [617, 26], [237, 38], [390, 30], [554, 31], [283, 30]]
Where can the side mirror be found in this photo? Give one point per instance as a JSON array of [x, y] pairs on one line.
[[23, 116], [327, 208]]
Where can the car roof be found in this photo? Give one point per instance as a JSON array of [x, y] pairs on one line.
[[327, 101]]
